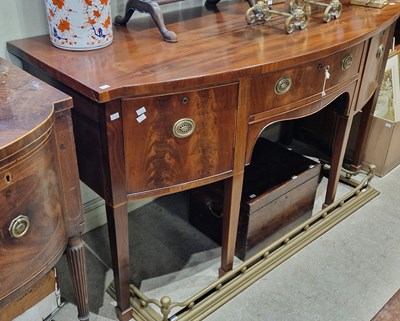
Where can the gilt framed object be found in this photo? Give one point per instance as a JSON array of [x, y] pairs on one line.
[[387, 106]]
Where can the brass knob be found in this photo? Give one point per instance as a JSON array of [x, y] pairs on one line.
[[283, 85], [184, 127], [380, 51], [19, 226], [347, 61]]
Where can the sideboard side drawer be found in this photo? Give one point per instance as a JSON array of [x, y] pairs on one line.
[[156, 157]]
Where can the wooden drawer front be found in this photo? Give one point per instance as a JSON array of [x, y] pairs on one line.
[[373, 65], [306, 80], [30, 190], [155, 158]]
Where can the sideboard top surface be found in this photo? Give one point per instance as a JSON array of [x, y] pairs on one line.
[[213, 47], [26, 107]]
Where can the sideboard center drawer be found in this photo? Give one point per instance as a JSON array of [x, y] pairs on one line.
[[178, 138], [284, 87]]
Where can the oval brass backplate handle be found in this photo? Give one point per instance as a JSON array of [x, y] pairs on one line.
[[380, 51], [184, 127], [283, 85], [19, 226], [347, 61]]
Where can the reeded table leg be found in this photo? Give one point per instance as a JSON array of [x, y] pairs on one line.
[[77, 266]]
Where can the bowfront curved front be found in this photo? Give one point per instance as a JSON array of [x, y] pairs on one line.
[[32, 225], [40, 207], [153, 118]]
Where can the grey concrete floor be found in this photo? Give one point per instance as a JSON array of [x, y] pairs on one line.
[[347, 274]]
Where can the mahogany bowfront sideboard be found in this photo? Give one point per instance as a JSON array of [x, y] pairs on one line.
[[41, 211], [153, 118]]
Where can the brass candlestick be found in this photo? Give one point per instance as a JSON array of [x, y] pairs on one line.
[[333, 9], [262, 12]]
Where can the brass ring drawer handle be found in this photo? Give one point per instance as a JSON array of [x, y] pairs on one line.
[[19, 226], [283, 85], [184, 127]]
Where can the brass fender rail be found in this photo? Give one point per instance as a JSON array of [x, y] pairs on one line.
[[215, 295]]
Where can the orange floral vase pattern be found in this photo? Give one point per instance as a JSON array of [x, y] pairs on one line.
[[79, 24]]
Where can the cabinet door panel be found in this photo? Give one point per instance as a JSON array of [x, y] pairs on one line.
[[373, 66], [155, 158]]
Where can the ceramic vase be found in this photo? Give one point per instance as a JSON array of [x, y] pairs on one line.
[[79, 24]]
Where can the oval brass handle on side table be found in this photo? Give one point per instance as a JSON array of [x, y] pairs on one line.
[[19, 226]]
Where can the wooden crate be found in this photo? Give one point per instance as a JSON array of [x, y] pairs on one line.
[[278, 194]]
